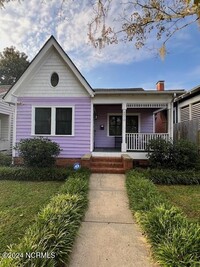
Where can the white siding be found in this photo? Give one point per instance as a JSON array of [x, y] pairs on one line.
[[6, 125], [5, 108], [40, 85]]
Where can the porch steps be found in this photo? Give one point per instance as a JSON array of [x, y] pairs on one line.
[[107, 165]]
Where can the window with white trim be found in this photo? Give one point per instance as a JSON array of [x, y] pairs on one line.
[[53, 121], [115, 124]]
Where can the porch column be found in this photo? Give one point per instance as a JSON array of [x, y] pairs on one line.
[[123, 148]]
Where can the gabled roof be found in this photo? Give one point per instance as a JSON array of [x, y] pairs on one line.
[[51, 42]]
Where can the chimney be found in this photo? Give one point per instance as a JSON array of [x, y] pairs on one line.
[[160, 85]]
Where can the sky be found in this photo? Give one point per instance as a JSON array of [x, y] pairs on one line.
[[28, 25]]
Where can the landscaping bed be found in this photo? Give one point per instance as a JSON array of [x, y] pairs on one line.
[[49, 240], [175, 240]]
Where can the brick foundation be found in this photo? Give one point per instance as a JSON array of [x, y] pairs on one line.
[[101, 164], [60, 162]]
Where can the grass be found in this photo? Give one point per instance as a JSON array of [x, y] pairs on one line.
[[186, 197], [20, 202]]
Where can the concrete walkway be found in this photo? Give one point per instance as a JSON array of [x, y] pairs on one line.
[[108, 236]]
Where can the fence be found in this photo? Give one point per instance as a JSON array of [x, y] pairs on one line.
[[189, 130]]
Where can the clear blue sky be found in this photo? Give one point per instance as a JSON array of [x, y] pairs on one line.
[[28, 25]]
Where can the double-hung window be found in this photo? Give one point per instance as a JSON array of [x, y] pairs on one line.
[[53, 121], [42, 120], [64, 121]]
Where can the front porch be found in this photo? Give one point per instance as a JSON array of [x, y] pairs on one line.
[[128, 128]]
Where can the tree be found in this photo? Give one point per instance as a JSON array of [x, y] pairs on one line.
[[2, 2], [138, 20], [141, 18], [12, 64]]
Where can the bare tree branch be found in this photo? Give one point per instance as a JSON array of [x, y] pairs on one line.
[[162, 18]]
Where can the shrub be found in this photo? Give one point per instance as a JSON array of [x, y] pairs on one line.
[[170, 177], [160, 153], [174, 239], [38, 152], [180, 155], [5, 160], [185, 155], [33, 174], [55, 228]]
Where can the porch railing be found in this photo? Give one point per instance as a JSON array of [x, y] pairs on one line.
[[139, 141]]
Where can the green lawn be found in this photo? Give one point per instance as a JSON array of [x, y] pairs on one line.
[[19, 204], [186, 197]]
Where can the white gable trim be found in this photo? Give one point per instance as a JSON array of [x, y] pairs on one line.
[[37, 61]]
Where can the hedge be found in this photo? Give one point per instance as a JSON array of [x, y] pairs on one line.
[[175, 240], [170, 177], [55, 228], [33, 174], [5, 160]]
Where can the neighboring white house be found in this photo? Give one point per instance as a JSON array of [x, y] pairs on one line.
[[6, 122], [187, 115]]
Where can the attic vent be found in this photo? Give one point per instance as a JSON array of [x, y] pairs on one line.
[[54, 79]]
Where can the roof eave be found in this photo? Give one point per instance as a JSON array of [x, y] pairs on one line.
[[145, 92]]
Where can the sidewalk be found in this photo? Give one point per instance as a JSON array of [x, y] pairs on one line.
[[109, 236]]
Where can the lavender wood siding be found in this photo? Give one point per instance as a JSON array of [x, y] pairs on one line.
[[146, 119], [101, 136], [72, 146]]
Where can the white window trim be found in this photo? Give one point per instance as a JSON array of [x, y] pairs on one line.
[[120, 114], [53, 121]]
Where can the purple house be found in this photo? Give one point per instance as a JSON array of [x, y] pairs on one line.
[[52, 99]]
